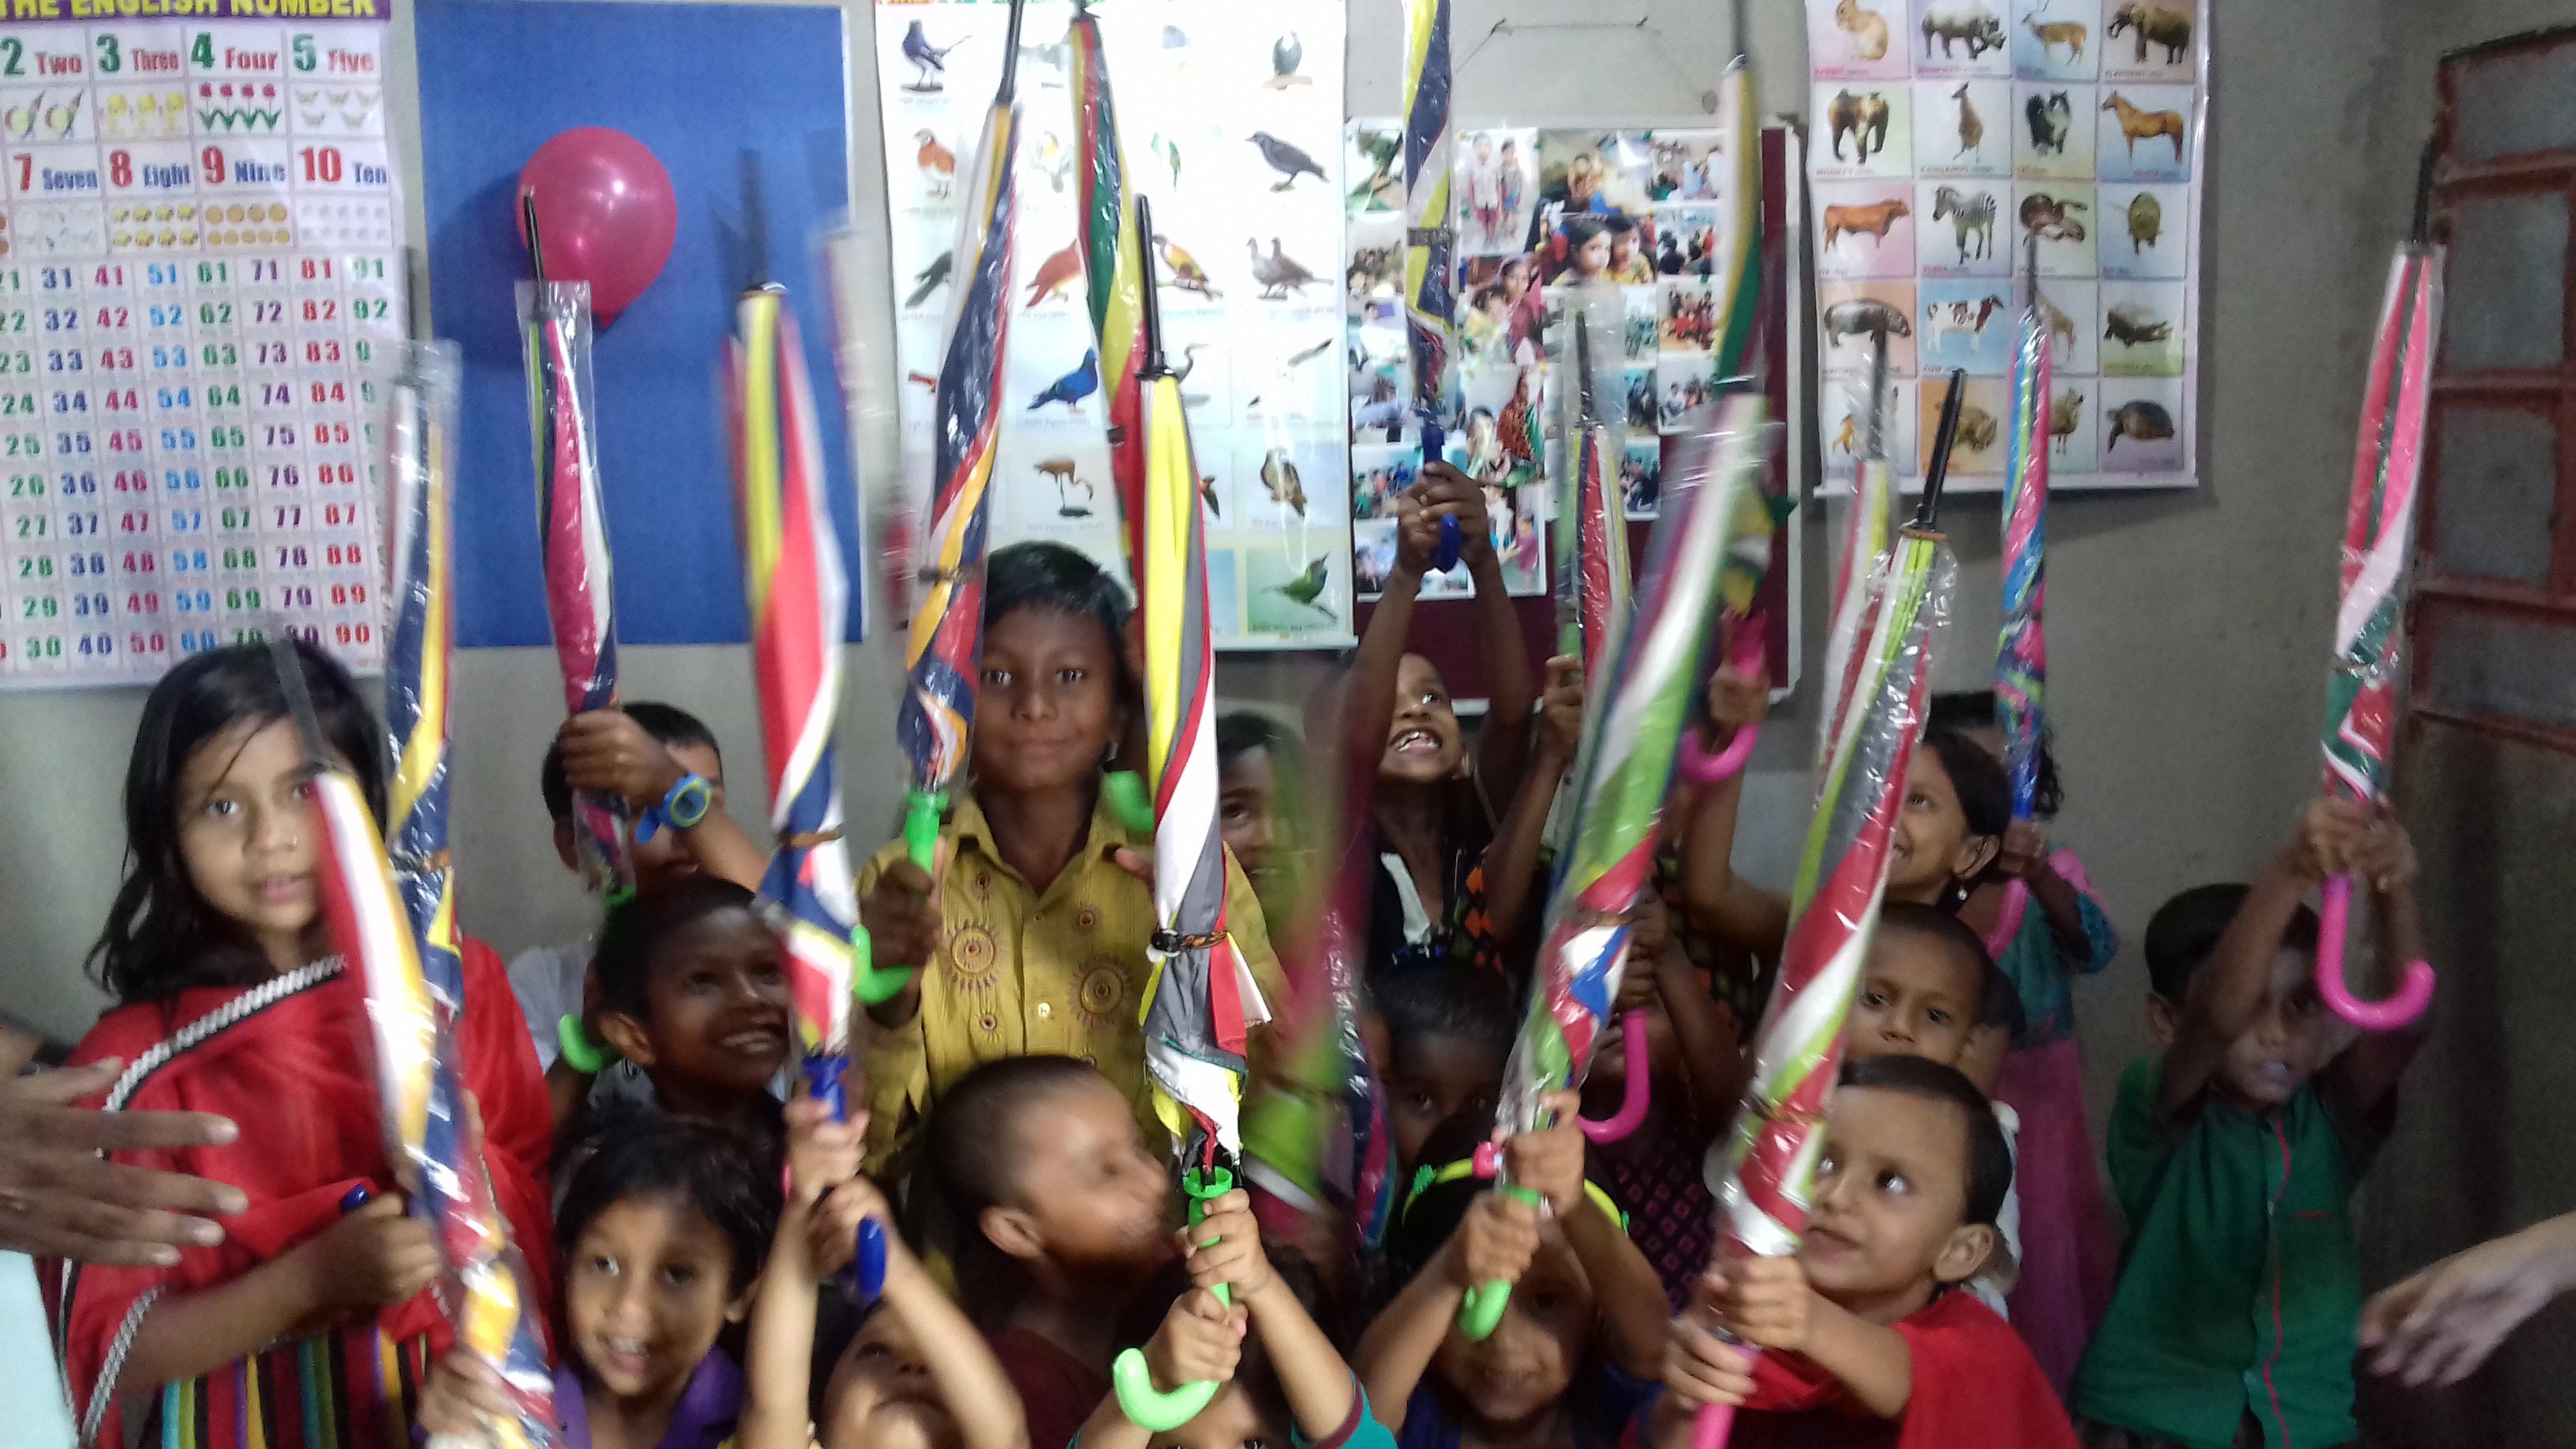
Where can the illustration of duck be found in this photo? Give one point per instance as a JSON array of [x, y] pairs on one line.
[[1074, 386]]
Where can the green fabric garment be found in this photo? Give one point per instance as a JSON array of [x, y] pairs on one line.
[[2240, 1285]]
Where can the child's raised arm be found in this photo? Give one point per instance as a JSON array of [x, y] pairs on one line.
[[1495, 1242], [822, 1157], [1714, 1064], [1503, 748], [2076, 922], [1626, 1294], [1719, 902], [1201, 1340], [1768, 1302], [605, 750], [1225, 1247], [1368, 695], [1511, 861]]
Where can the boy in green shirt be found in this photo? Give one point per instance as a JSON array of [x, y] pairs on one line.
[[2235, 1153]]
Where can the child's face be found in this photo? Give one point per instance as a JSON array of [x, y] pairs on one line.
[[1047, 709], [1529, 1360], [1890, 1192], [1516, 279], [248, 833], [881, 1395], [715, 999], [1247, 809], [1484, 148], [1918, 998], [1090, 1195], [1623, 247], [1933, 844], [1432, 1078], [1423, 742], [647, 1289], [2291, 1039], [1593, 255]]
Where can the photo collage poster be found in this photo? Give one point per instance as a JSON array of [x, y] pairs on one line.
[[1538, 211], [1950, 134], [1231, 131]]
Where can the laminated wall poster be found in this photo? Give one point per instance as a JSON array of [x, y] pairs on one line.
[[1946, 134], [1233, 131]]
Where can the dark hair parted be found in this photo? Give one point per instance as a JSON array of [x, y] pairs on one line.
[[161, 936], [1974, 709], [645, 1153], [1998, 1001]]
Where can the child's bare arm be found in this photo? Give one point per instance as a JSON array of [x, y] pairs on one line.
[[1503, 750], [1201, 1339], [1700, 1369], [1495, 1242], [1511, 861], [1368, 695], [2025, 856], [1628, 1298], [605, 750], [1768, 1302], [822, 1156], [2362, 1080], [1719, 902], [1225, 1247], [1713, 1062], [373, 1258], [969, 1378]]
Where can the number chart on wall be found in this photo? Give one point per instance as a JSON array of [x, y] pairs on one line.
[[200, 278]]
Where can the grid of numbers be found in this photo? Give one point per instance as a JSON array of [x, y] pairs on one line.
[[199, 293]]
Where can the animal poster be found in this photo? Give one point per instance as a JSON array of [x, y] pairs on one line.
[[200, 286], [1950, 136], [1233, 132]]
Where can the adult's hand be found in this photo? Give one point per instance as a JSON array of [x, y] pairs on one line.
[[58, 1198], [2438, 1326]]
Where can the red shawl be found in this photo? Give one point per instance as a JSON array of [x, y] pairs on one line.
[[297, 1076]]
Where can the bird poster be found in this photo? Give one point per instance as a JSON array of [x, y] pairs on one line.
[[1232, 131], [1952, 137]]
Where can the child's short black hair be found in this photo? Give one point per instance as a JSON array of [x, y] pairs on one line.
[[636, 928], [2186, 929], [668, 723], [1430, 1205], [1985, 795], [1441, 998], [645, 1153], [1040, 575], [1974, 709], [1241, 731], [1998, 1000], [1990, 1162], [972, 1148], [1580, 230]]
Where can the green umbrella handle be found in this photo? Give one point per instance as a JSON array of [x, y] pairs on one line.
[[1126, 792], [1147, 1407], [1482, 1313], [922, 809]]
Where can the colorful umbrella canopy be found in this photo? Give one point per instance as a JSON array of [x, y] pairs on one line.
[[2021, 654], [1634, 720], [581, 600], [1592, 580], [1864, 540], [1762, 1204], [1113, 268], [2379, 527], [1202, 1000], [936, 720], [1430, 234]]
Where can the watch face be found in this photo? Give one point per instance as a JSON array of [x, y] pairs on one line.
[[689, 801]]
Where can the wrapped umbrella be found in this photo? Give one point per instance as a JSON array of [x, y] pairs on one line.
[[1864, 539], [2361, 694], [1113, 269], [1633, 724], [936, 720], [2021, 655], [1736, 273], [430, 1134], [1592, 580], [1842, 876], [1203, 999], [1430, 237], [581, 600]]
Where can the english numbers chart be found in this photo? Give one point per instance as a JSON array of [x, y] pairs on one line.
[[200, 283]]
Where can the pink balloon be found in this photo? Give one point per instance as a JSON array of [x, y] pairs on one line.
[[605, 214]]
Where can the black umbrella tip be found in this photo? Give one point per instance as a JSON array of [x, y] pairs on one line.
[[1153, 364], [2421, 230], [1927, 514], [1011, 56], [528, 231]]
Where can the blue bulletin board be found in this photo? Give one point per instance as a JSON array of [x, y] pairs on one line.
[[698, 84]]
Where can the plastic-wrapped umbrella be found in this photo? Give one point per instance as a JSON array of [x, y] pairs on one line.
[[1736, 275], [429, 1133], [1113, 268], [1203, 999], [1771, 1166], [1864, 539], [581, 601], [1430, 236], [1633, 724], [2021, 655], [1592, 579], [2361, 694], [936, 720]]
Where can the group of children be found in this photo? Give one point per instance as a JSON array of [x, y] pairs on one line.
[[682, 1218]]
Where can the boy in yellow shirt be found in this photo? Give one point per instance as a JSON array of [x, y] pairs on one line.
[[1031, 937]]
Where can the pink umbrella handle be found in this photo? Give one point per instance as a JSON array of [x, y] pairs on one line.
[[2400, 1009], [1702, 768], [1640, 1089], [1715, 1422]]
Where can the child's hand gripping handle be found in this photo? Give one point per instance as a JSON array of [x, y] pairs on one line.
[[1145, 1406], [1699, 766], [2413, 995], [921, 812], [1453, 534], [1482, 1313], [864, 1278], [1636, 1097]]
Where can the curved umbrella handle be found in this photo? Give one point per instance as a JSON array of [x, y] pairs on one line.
[[1695, 763], [1482, 1313], [1640, 1089], [1714, 1423], [921, 812], [1125, 791], [2401, 1009], [1147, 1407]]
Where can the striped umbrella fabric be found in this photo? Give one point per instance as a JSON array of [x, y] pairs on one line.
[[2021, 652], [1736, 275], [1592, 581], [572, 532], [1865, 538], [1430, 236], [936, 719], [1113, 268]]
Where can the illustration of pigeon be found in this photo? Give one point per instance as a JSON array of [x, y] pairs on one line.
[[1054, 273], [1279, 475], [929, 60], [1285, 54], [1278, 273], [1286, 159], [1186, 273], [1307, 587], [1074, 386], [930, 279]]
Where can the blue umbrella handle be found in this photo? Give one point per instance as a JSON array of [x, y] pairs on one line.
[[1453, 534], [864, 1278]]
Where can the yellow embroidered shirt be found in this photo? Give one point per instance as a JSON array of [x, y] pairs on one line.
[[1024, 972]]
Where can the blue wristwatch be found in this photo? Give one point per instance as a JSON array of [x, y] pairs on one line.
[[681, 809]]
